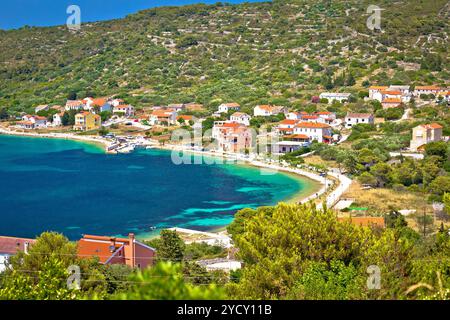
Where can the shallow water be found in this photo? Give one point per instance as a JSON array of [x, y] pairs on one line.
[[75, 188]]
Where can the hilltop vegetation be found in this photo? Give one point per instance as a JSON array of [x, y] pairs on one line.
[[279, 52]]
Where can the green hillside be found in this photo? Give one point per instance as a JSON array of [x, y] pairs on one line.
[[274, 52]]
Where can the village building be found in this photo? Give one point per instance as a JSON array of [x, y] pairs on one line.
[[241, 117], [426, 90], [267, 110], [291, 143], [226, 107], [28, 125], [374, 90], [112, 250], [124, 110], [57, 119], [326, 116], [444, 96], [102, 104], [335, 96], [163, 117], [185, 119], [423, 134], [117, 102], [222, 264], [314, 131], [352, 119], [10, 246], [86, 121], [74, 105], [232, 136], [391, 103], [32, 122]]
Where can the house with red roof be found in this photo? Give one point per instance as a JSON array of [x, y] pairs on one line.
[[113, 250], [241, 117], [268, 110], [74, 105], [373, 90], [325, 116], [10, 246], [320, 132], [418, 90], [423, 134], [391, 102], [231, 136], [32, 122], [163, 117]]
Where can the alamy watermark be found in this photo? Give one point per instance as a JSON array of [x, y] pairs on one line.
[[374, 20], [74, 278], [74, 20], [374, 279], [219, 146]]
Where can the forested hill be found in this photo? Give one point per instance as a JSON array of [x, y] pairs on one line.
[[273, 52]]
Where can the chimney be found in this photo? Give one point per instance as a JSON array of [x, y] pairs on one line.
[[132, 249]]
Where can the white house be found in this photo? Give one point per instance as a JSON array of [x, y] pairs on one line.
[[10, 246], [163, 117], [225, 107], [315, 131], [101, 103], [57, 119], [326, 116], [393, 92], [287, 126], [444, 94], [373, 90], [116, 102], [267, 110], [352, 119], [241, 117], [74, 105], [287, 146], [335, 96], [426, 90], [36, 121], [124, 109]]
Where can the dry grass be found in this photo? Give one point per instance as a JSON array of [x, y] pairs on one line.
[[317, 160], [381, 200]]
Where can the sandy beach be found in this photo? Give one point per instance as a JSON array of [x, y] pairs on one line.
[[98, 141]]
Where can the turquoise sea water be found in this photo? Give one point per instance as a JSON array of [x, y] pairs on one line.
[[75, 188]]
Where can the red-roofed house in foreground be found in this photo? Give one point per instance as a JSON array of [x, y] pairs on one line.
[[423, 134], [112, 250], [10, 246]]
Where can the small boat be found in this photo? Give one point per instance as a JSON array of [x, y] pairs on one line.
[[152, 228]]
